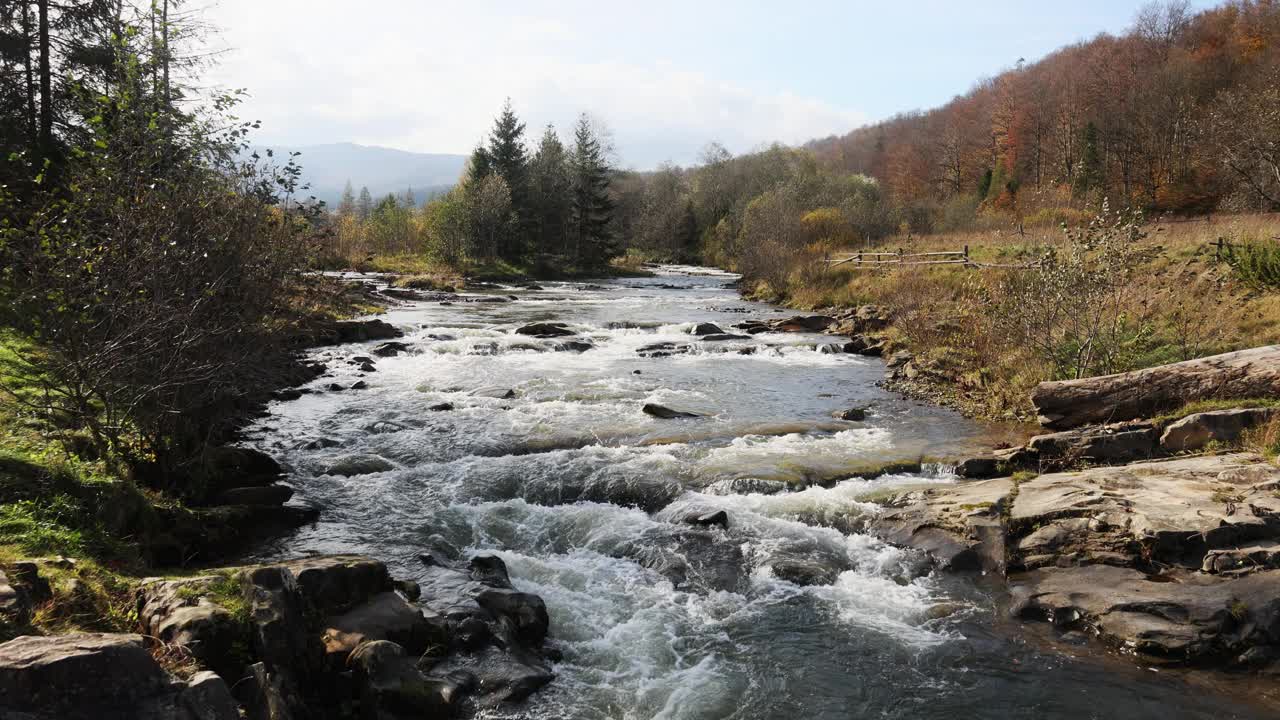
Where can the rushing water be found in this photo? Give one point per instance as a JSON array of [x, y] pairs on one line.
[[887, 639]]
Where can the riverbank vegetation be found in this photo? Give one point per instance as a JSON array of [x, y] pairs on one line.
[[152, 290]]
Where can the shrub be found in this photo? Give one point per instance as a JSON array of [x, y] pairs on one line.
[[1074, 309], [1256, 264]]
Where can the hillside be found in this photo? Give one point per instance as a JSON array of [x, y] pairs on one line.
[[1173, 116], [328, 167]]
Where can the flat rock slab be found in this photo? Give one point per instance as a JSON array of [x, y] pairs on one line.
[[1175, 510], [1197, 618]]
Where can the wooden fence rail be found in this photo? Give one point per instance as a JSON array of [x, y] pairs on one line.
[[876, 258]]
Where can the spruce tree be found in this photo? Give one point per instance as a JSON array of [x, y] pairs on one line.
[[508, 158], [1089, 174], [479, 166], [592, 206], [347, 205], [364, 206], [549, 195]]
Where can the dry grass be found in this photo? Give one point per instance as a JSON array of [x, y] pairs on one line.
[[1186, 302]]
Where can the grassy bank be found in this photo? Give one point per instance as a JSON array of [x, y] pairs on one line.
[[984, 336], [97, 524]]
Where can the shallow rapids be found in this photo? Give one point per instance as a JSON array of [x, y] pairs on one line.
[[545, 457]]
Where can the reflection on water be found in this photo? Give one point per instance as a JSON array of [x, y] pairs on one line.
[[583, 495]]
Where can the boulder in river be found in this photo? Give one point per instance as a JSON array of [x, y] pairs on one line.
[[663, 349], [390, 349], [351, 465], [576, 346], [666, 413], [545, 330], [691, 559], [706, 329], [707, 518], [804, 323], [496, 393], [856, 414], [352, 331]]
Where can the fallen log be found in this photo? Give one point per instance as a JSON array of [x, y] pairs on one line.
[[1127, 396]]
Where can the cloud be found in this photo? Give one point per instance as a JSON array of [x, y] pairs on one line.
[[431, 77]]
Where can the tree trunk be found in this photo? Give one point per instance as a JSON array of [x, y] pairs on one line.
[[29, 69], [46, 84], [1126, 396]]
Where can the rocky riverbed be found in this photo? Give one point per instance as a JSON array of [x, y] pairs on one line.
[[649, 498]]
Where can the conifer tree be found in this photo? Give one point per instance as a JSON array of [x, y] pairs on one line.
[[592, 206], [507, 157], [347, 206], [364, 206], [1089, 174], [549, 195]]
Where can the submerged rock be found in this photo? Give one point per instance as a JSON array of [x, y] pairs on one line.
[[663, 349], [351, 465], [851, 415], [545, 330], [691, 559], [666, 413], [390, 349]]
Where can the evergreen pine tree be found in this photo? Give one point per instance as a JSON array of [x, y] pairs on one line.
[[1089, 173], [364, 205], [549, 190], [508, 158], [478, 166], [592, 206], [347, 205]]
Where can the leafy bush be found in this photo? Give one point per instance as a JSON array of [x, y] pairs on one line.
[[1257, 264], [1074, 309]]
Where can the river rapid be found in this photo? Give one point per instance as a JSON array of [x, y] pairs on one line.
[[547, 460]]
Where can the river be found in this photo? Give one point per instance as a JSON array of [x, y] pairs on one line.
[[655, 619]]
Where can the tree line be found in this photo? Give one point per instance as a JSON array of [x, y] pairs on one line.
[[1181, 114], [552, 208]]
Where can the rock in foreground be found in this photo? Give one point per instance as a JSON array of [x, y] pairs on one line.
[[101, 677], [1171, 559]]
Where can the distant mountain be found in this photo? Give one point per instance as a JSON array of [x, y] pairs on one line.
[[383, 170]]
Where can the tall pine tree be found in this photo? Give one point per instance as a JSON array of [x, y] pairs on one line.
[[592, 206], [549, 195], [347, 206], [507, 157], [364, 206]]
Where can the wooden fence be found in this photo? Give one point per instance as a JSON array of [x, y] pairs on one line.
[[876, 259]]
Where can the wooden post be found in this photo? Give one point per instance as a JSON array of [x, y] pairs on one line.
[[899, 256], [966, 254]]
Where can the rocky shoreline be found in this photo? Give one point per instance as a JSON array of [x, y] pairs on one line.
[[1112, 532]]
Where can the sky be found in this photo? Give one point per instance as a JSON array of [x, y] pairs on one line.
[[665, 77]]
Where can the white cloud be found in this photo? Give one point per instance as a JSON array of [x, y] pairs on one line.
[[430, 77]]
